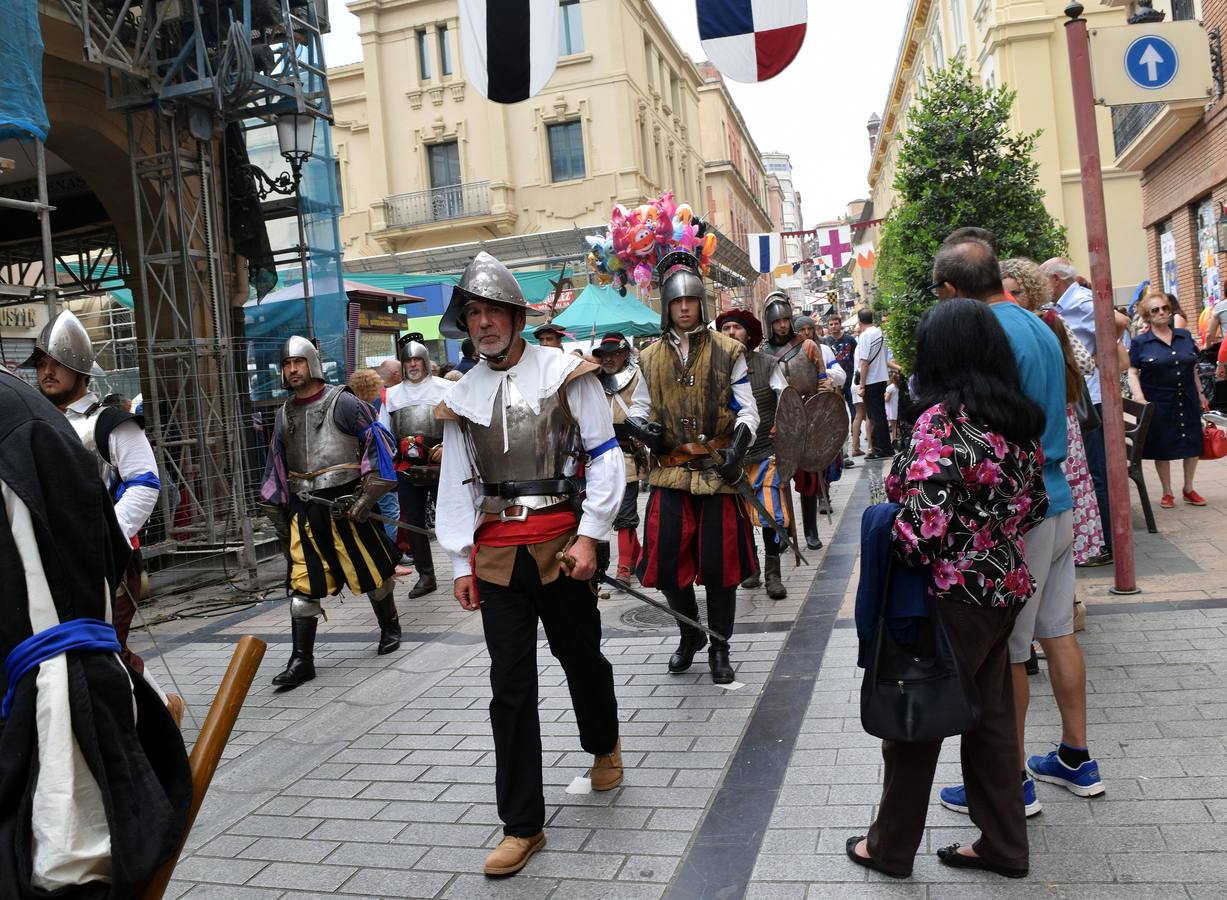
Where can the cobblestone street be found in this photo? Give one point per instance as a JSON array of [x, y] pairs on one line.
[[376, 779]]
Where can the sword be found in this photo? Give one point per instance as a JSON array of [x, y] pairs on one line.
[[747, 493], [308, 497], [686, 620], [786, 496]]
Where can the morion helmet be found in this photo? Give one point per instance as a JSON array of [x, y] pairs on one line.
[[66, 341], [486, 279], [297, 347]]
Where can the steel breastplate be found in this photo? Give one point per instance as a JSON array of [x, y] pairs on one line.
[[618, 381], [411, 421], [313, 443], [799, 372], [534, 447], [761, 365], [86, 426]]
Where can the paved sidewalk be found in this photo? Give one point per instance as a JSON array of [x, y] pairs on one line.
[[376, 780]]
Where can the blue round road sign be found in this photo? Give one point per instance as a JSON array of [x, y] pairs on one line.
[[1152, 62]]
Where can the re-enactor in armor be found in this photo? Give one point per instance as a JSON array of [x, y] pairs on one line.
[[808, 367], [522, 528], [64, 359], [408, 412], [619, 377], [327, 443], [766, 381], [695, 398]]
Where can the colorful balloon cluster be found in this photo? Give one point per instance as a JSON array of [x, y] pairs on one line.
[[638, 239]]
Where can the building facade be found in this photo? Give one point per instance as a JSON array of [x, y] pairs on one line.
[[1019, 44], [425, 161], [1180, 150], [735, 179]]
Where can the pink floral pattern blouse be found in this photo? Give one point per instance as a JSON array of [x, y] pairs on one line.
[[968, 496]]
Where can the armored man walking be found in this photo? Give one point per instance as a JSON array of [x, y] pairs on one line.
[[328, 464], [522, 527], [409, 413], [619, 378], [695, 410]]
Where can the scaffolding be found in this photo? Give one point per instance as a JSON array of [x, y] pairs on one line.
[[180, 71]]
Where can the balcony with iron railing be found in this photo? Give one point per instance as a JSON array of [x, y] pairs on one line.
[[1128, 122], [441, 204]]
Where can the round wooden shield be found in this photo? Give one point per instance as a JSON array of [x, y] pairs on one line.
[[826, 417], [791, 433]]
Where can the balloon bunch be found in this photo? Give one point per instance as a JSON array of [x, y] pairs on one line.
[[638, 239]]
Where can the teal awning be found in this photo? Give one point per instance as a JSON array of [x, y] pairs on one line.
[[598, 310]]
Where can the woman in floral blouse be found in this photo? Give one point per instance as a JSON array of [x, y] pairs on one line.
[[970, 486]]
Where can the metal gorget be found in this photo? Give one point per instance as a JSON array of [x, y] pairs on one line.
[[318, 454], [522, 446], [618, 381]]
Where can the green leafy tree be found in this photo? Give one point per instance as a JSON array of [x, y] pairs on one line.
[[958, 165]]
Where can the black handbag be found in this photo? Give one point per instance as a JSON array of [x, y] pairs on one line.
[[911, 698], [1088, 416]]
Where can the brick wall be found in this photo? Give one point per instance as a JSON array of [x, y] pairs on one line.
[[1180, 180]]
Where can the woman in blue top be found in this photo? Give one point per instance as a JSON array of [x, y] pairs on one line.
[[1163, 372]]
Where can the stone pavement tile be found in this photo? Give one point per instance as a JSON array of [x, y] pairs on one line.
[[614, 890], [357, 830], [1188, 786], [669, 819], [289, 850], [762, 890], [404, 790], [418, 811], [378, 856], [791, 840], [805, 867], [1154, 812], [322, 787], [1101, 838], [426, 835], [601, 818], [1195, 837], [384, 883], [1127, 892], [649, 868], [877, 890], [820, 816], [334, 808], [228, 892], [1181, 868], [300, 876], [523, 886], [274, 826], [218, 871], [656, 843], [453, 859], [225, 845]]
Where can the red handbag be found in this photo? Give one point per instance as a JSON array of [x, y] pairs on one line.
[[1213, 443]]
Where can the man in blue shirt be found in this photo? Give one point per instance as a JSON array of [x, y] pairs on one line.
[[969, 268]]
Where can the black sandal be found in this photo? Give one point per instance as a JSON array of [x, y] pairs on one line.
[[956, 860], [869, 862]]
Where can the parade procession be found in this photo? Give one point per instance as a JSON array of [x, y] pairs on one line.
[[445, 454]]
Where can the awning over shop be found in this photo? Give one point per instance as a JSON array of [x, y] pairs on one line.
[[601, 309]]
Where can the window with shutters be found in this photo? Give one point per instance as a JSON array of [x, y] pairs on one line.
[[566, 151]]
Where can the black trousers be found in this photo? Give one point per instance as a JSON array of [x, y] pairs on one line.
[[989, 753], [772, 545], [1097, 462], [568, 611], [875, 410], [414, 500], [721, 610]]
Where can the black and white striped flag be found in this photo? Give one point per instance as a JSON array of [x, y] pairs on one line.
[[509, 46]]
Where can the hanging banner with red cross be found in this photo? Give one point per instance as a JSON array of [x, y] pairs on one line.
[[751, 40], [835, 246]]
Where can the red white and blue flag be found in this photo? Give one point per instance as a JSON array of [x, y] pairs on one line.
[[751, 40]]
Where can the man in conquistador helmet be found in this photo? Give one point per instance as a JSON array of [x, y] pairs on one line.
[[327, 443], [808, 367], [693, 404], [64, 360], [409, 413], [619, 376], [522, 531], [766, 380]]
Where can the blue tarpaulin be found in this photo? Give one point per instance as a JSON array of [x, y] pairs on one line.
[[22, 111]]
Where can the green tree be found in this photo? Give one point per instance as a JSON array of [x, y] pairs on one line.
[[958, 165]]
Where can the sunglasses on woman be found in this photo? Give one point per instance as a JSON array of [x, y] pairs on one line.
[[1160, 309]]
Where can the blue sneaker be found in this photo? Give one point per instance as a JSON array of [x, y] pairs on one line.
[[1083, 781], [955, 799]]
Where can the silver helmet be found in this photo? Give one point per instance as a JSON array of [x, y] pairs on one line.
[[487, 279], [411, 349], [66, 341], [297, 347], [777, 306], [679, 277]]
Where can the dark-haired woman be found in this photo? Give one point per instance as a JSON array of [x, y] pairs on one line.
[[970, 486]]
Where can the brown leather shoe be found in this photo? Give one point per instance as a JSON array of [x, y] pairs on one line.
[[512, 853], [606, 771]]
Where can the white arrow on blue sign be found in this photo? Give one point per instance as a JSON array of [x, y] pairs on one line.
[[1152, 62]]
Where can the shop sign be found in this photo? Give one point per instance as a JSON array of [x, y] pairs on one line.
[[26, 320]]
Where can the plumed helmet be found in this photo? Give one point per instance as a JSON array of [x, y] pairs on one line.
[[777, 306], [297, 347], [486, 279], [679, 276], [66, 341], [412, 349]]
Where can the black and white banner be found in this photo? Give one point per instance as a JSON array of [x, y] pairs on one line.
[[509, 46]]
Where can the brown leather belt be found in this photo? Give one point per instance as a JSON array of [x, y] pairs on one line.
[[524, 512], [318, 472], [688, 453]]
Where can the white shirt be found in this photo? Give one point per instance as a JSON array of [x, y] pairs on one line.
[[871, 347], [131, 456], [1077, 308], [539, 374], [427, 392], [743, 394], [892, 402]]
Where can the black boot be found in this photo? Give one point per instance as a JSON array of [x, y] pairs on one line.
[[419, 546], [692, 642], [301, 666], [718, 661], [389, 621], [809, 518], [775, 587]]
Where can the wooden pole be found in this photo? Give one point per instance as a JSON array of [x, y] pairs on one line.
[[211, 741]]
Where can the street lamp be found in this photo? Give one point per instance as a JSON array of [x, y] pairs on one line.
[[295, 140]]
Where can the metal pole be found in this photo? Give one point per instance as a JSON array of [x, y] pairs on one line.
[[1119, 501], [44, 221], [303, 252]]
